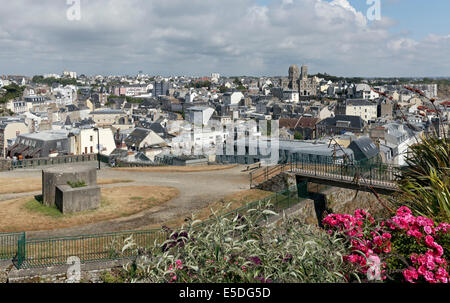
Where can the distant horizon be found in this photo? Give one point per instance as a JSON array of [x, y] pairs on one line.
[[229, 76]]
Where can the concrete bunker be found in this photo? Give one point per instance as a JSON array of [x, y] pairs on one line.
[[71, 188]]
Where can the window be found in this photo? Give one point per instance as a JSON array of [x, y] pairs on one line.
[[92, 138]]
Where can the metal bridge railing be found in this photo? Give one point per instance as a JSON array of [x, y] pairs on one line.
[[380, 174]]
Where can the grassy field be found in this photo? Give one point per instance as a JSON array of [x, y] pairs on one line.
[[27, 214], [233, 201]]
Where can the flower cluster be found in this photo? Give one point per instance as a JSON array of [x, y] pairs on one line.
[[367, 241], [175, 239], [173, 269], [374, 241], [431, 265]]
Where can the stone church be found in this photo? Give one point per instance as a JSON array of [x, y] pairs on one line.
[[299, 81]]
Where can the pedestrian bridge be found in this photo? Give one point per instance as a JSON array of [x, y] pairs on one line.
[[380, 178]]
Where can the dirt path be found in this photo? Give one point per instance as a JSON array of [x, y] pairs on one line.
[[197, 190]]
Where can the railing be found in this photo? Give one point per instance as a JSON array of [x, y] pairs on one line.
[[39, 162], [8, 245], [88, 248], [379, 175], [35, 253], [265, 173], [373, 175]]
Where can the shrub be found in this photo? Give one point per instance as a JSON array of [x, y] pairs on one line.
[[404, 248], [425, 183], [243, 249], [76, 184]]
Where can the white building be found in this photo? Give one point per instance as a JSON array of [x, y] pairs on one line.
[[215, 77], [291, 96], [65, 95], [400, 138], [232, 98], [189, 98], [56, 76], [362, 108], [363, 91], [202, 141], [199, 115], [18, 107], [86, 141], [69, 74]]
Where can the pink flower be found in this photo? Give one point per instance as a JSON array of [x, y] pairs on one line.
[[428, 229], [179, 263], [414, 258], [430, 265], [410, 274], [403, 211], [442, 272], [429, 241], [439, 250], [429, 276], [386, 236]]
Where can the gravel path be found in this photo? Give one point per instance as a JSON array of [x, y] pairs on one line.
[[197, 190]]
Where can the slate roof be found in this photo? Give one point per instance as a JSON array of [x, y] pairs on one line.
[[137, 136], [359, 102], [355, 121], [366, 146]]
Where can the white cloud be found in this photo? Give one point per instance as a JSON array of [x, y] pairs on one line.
[[198, 37]]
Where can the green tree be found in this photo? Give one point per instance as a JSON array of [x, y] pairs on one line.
[[298, 136], [425, 181]]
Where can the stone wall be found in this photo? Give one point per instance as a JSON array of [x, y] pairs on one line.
[[5, 165], [90, 273], [339, 201], [346, 201], [279, 183]]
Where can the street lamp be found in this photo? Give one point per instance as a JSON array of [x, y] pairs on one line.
[[98, 146]]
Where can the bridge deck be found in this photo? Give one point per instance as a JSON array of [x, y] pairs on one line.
[[380, 178]]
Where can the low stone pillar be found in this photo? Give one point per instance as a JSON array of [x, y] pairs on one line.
[[55, 176]]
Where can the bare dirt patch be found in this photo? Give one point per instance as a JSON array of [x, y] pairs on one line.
[[27, 185], [26, 214], [232, 201], [176, 169]]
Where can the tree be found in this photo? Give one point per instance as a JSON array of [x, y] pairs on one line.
[[13, 91], [223, 89], [298, 136]]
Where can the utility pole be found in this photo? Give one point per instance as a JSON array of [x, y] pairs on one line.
[[98, 146]]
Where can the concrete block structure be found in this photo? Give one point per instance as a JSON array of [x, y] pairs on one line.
[[72, 200], [57, 176]]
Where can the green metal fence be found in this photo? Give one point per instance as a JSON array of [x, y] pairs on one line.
[[88, 248], [31, 253], [8, 245]]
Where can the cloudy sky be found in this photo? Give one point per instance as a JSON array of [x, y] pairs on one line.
[[231, 37]]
